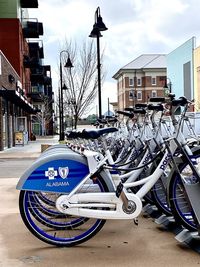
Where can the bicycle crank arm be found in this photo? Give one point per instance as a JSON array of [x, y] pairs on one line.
[[111, 207]]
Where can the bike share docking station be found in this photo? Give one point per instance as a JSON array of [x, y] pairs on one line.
[[59, 168], [191, 239]]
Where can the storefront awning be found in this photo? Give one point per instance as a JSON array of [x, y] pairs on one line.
[[17, 99]]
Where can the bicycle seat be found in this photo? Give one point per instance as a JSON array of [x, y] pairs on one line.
[[141, 105], [139, 111], [158, 107], [94, 134], [130, 115], [157, 99], [107, 120], [73, 135], [129, 109]]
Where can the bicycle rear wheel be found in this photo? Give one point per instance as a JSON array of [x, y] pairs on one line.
[[49, 216], [72, 230]]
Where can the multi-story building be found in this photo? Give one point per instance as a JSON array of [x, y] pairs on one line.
[[141, 79], [14, 107], [180, 69], [22, 54], [183, 72], [197, 78]]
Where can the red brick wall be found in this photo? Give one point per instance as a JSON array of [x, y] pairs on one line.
[[146, 83], [126, 82], [10, 41], [14, 46], [6, 71]]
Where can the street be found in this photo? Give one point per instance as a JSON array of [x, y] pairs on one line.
[[14, 168], [119, 243]]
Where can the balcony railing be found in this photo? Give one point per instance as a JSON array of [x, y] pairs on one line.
[[29, 4], [34, 58], [31, 62], [36, 49], [32, 28], [36, 93], [39, 75]]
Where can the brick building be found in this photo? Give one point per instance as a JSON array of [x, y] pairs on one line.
[[22, 73], [142, 78], [13, 103]]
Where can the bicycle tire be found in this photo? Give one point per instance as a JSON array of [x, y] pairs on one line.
[[180, 207], [53, 236], [159, 196]]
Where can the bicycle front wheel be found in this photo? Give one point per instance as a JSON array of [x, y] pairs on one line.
[[179, 203], [159, 195]]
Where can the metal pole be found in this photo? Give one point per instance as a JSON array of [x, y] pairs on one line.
[[108, 107], [99, 75], [170, 87], [61, 104], [135, 92]]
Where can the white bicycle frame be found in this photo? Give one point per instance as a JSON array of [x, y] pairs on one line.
[[85, 204], [128, 205]]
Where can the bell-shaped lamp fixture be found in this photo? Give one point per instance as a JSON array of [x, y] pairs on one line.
[[68, 63], [95, 32], [100, 24], [64, 87]]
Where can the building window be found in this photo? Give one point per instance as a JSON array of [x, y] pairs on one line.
[[139, 95], [154, 94], [162, 78], [131, 94], [130, 82], [138, 82], [153, 80]]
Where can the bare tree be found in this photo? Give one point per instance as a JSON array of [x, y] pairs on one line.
[[80, 80], [45, 115]]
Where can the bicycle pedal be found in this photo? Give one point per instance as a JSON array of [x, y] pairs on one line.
[[135, 221]]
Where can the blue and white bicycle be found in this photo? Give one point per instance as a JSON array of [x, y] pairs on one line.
[[66, 196]]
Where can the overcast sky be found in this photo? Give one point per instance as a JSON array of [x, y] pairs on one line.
[[135, 27]]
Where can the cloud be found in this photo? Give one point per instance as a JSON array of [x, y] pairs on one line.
[[109, 92], [135, 27]]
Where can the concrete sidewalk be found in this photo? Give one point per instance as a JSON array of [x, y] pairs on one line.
[[119, 243], [31, 150]]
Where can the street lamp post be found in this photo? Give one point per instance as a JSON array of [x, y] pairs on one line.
[[62, 87], [167, 87], [96, 33]]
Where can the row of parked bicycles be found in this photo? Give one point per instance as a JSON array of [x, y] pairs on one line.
[[140, 156]]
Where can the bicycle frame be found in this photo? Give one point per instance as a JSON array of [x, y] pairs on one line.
[[128, 205], [118, 203], [85, 204]]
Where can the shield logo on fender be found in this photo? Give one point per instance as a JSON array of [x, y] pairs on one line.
[[63, 172]]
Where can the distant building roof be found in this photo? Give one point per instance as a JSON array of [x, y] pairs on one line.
[[146, 61]]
